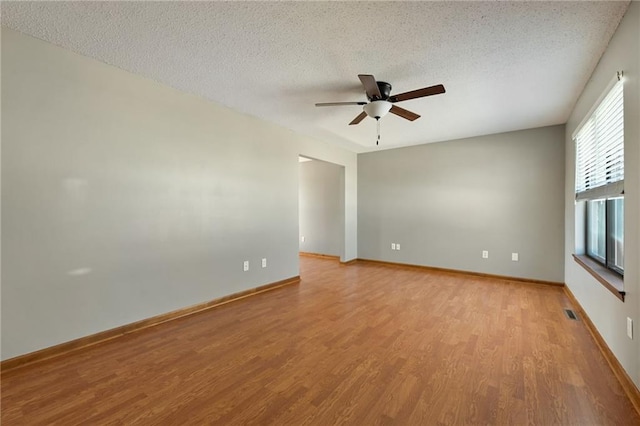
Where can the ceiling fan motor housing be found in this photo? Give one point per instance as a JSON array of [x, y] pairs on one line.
[[385, 91]]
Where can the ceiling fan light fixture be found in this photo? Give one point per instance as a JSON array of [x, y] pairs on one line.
[[377, 109]]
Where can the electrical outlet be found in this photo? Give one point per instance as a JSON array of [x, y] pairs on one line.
[[245, 266], [302, 239], [264, 262], [514, 257], [393, 246], [397, 246], [485, 254], [629, 328]]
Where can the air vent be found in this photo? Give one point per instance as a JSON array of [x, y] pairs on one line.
[[570, 314]]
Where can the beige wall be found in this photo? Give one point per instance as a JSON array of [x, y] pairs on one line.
[[123, 199], [447, 202]]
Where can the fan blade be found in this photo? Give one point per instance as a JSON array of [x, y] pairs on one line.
[[339, 103], [401, 112], [359, 118], [420, 93], [370, 86]]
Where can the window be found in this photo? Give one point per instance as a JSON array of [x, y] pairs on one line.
[[596, 230], [599, 144], [615, 234], [605, 232]]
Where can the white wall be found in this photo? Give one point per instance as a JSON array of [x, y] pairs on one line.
[[447, 202], [321, 201], [607, 312], [123, 199]]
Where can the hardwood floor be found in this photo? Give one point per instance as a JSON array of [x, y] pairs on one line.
[[360, 344]]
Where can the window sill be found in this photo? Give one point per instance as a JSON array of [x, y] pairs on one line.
[[612, 281]]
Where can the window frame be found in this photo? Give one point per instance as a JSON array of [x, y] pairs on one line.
[[607, 261], [610, 238]]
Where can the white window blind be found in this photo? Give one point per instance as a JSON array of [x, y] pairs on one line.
[[600, 149]]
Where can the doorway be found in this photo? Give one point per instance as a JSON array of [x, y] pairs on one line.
[[321, 195]]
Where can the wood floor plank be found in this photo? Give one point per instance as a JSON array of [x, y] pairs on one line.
[[359, 344]]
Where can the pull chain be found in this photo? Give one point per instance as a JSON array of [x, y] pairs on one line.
[[378, 125]]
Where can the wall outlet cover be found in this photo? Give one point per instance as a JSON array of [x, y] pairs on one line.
[[393, 246], [264, 262], [515, 257], [629, 328], [485, 254], [245, 266], [397, 246]]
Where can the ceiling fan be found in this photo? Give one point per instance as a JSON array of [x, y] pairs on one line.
[[382, 102]]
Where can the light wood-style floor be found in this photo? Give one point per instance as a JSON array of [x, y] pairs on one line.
[[362, 344]]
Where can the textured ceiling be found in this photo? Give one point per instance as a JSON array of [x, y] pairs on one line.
[[505, 65]]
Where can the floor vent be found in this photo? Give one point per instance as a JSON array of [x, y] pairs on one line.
[[570, 314]]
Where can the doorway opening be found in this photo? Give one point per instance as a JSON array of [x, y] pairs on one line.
[[321, 208]]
